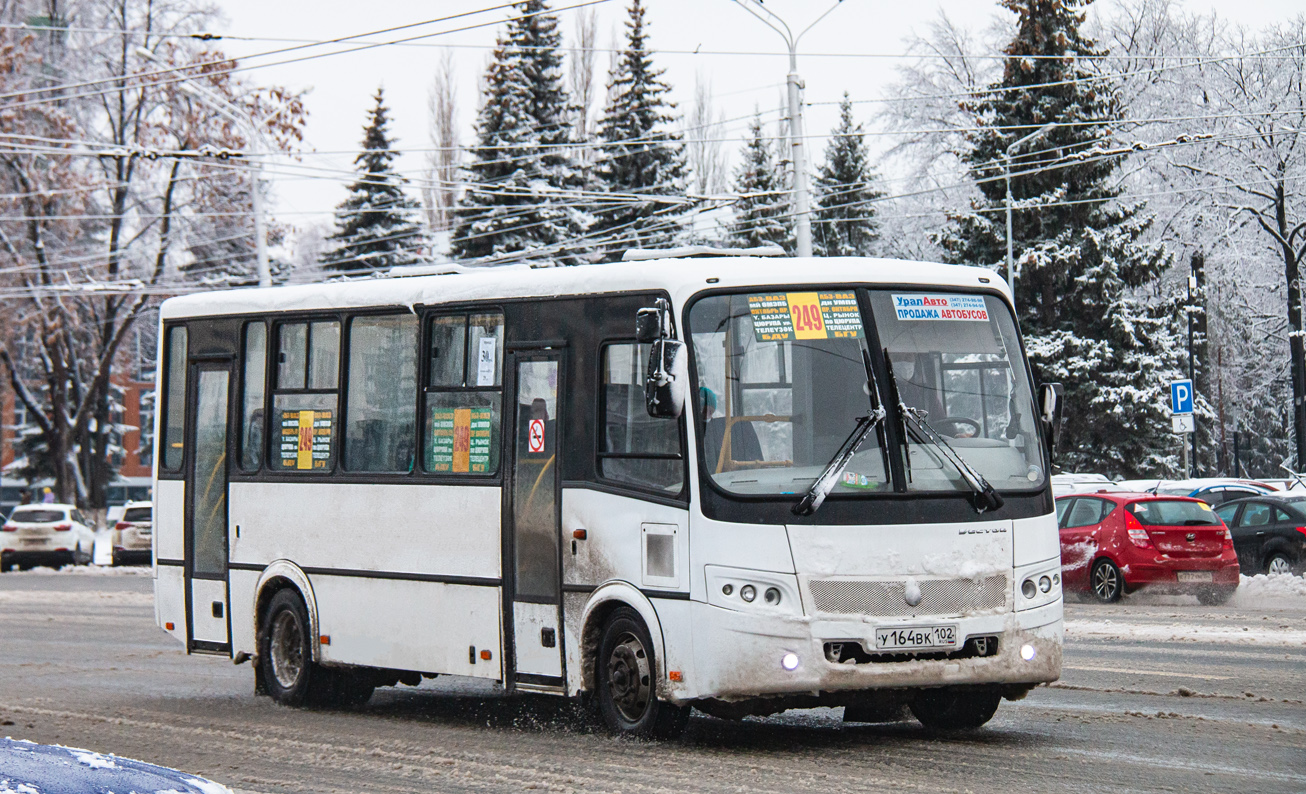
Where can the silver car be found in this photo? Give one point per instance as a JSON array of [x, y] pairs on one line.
[[46, 534]]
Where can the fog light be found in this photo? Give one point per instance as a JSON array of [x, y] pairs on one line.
[[748, 593], [789, 661], [1029, 589], [771, 596], [1044, 583], [1028, 653]]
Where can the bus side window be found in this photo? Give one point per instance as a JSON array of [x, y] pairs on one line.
[[304, 400], [174, 422], [255, 386], [381, 415], [463, 402], [635, 448]]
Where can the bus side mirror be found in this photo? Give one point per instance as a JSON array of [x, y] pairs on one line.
[[668, 379], [648, 325], [1049, 406]]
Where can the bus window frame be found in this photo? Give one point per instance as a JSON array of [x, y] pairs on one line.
[[273, 389], [263, 451], [600, 430], [165, 368], [428, 315], [346, 339]]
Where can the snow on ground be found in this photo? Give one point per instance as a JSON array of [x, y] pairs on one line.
[[39, 598], [85, 570], [1254, 595], [1278, 634]]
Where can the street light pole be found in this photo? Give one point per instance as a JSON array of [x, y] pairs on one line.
[[255, 168], [802, 198], [1006, 172]]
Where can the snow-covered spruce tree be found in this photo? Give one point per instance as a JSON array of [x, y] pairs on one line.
[[522, 162], [638, 154], [1083, 262], [376, 227], [761, 213], [844, 217]]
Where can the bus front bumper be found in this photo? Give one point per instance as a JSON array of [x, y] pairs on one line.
[[752, 655]]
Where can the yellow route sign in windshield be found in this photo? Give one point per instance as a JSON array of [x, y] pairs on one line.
[[786, 316]]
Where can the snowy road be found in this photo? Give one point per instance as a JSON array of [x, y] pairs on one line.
[[1157, 695]]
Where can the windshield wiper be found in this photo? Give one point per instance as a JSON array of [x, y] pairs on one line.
[[986, 498], [820, 489]]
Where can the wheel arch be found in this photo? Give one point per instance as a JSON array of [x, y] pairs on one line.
[[281, 575], [603, 602]]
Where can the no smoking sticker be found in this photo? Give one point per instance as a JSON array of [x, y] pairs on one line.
[[535, 442]]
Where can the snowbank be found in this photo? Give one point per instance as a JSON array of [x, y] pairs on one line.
[[1262, 590]]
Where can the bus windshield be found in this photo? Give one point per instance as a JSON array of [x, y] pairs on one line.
[[782, 383]]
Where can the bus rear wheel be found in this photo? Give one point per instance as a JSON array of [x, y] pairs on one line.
[[955, 709], [627, 681], [286, 664]]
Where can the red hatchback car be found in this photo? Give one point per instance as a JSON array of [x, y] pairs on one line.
[[1112, 543]]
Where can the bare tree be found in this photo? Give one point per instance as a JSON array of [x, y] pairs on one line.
[[704, 144], [96, 235], [1257, 161], [440, 188], [580, 76]]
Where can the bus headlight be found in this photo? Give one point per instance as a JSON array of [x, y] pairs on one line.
[[1029, 589], [789, 661], [748, 593]]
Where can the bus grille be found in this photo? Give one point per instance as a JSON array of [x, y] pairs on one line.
[[938, 596]]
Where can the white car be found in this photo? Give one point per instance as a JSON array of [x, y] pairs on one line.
[[46, 534], [132, 534]]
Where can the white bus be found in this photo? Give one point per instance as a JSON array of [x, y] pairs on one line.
[[738, 484]]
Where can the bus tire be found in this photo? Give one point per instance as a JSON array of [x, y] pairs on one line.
[[286, 653], [627, 677], [955, 709]]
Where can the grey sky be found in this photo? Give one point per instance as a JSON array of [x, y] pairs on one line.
[[871, 30]]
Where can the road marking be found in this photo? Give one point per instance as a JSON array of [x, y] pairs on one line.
[[1144, 672]]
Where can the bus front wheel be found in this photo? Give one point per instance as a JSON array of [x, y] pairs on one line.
[[955, 709], [627, 681]]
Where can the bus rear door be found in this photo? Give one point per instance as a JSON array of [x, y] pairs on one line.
[[206, 509]]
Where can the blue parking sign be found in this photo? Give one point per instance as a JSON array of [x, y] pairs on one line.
[[1181, 397]]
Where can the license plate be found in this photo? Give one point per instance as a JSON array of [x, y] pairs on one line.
[[33, 541], [1195, 576], [914, 637]]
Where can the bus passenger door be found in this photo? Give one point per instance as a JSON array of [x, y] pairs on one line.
[[532, 520], [206, 509]]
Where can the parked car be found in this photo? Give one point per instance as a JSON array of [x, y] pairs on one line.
[[46, 534], [30, 767], [1069, 483], [1215, 491], [132, 534], [1269, 532], [1113, 543]]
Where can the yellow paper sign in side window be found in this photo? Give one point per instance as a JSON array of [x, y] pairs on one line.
[[304, 455]]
